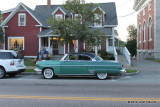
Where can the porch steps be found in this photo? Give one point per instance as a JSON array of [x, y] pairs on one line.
[[122, 59], [57, 57]]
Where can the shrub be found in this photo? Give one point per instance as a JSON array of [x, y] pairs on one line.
[[106, 55]]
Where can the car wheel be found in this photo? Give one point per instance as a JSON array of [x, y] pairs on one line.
[[102, 76], [2, 73], [12, 75], [48, 74]]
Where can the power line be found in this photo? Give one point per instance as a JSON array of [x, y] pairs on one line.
[[123, 4], [128, 14]]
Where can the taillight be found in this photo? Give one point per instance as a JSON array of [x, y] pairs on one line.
[[12, 63], [122, 65]]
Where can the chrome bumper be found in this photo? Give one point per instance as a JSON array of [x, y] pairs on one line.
[[123, 70], [39, 71]]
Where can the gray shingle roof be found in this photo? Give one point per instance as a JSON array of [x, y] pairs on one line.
[[43, 13], [107, 31]]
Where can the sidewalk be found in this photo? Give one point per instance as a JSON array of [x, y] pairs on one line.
[[144, 65]]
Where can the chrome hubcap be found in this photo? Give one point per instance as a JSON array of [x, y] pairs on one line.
[[48, 73], [102, 75]]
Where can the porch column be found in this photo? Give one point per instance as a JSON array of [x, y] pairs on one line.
[[68, 47], [107, 44], [76, 46], [113, 37], [40, 43], [49, 45], [49, 42], [64, 49], [96, 50]]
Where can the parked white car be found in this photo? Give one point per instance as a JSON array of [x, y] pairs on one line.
[[11, 63]]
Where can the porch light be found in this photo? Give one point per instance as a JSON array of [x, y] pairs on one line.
[[55, 38]]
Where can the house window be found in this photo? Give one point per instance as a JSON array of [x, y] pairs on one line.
[[150, 29], [22, 19], [91, 47], [16, 43], [97, 19], [144, 31], [58, 16], [110, 42], [78, 16]]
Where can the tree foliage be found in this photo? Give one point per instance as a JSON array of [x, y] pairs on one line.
[[132, 31], [132, 40], [116, 32], [77, 28]]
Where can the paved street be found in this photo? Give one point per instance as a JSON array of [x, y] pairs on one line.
[[139, 90], [81, 92]]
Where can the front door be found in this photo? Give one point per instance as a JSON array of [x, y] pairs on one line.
[[60, 48], [54, 43]]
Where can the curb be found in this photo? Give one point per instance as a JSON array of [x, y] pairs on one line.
[[126, 74], [28, 73]]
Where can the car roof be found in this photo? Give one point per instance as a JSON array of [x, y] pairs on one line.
[[7, 51], [12, 51], [92, 55]]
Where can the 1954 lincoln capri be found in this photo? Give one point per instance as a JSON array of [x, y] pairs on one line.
[[79, 64]]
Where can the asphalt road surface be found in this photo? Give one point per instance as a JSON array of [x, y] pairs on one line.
[[124, 91]]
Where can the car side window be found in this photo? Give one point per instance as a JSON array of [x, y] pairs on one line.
[[82, 57], [73, 57], [6, 55]]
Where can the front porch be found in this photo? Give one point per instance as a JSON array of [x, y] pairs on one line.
[[55, 47], [51, 42]]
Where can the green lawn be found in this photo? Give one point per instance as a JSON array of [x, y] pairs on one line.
[[157, 61], [130, 71], [152, 59], [29, 62], [29, 70]]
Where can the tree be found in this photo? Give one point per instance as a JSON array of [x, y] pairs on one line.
[[116, 32], [132, 40], [132, 31], [78, 28]]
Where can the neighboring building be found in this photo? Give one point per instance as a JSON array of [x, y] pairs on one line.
[[148, 23], [28, 30]]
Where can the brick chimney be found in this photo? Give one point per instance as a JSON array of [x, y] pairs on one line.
[[48, 3]]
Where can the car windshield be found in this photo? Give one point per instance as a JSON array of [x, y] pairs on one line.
[[98, 58]]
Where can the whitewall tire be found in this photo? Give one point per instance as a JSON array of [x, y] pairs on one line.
[[102, 76], [48, 73]]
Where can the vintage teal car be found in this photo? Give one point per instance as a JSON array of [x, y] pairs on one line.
[[79, 64]]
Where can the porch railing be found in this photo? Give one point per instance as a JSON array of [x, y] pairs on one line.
[[127, 55], [115, 54]]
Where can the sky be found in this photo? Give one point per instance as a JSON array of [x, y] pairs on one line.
[[124, 9]]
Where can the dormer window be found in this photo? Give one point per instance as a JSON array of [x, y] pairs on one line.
[[58, 16], [98, 16], [97, 19], [21, 19], [59, 13]]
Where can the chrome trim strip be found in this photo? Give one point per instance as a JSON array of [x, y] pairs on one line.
[[82, 65], [73, 74]]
